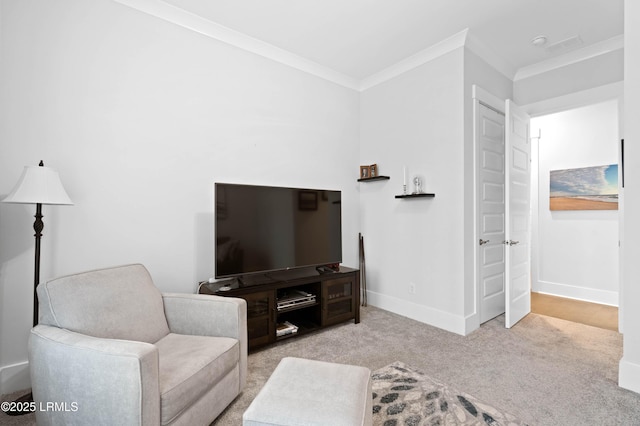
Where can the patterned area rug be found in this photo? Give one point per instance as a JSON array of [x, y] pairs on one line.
[[404, 396]]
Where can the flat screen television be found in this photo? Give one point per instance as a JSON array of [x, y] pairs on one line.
[[260, 229]]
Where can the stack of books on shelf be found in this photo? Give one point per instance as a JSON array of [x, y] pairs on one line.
[[285, 328]]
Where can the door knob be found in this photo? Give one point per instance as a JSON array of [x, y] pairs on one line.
[[511, 242], [483, 242]]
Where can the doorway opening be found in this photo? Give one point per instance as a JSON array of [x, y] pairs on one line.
[[575, 252]]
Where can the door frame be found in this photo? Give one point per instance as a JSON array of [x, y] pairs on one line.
[[491, 246], [479, 95]]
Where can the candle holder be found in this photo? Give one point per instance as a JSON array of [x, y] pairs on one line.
[[404, 180]]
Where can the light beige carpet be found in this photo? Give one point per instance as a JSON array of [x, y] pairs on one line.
[[544, 371]]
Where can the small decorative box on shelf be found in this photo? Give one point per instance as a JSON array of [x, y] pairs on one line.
[[369, 179], [422, 194]]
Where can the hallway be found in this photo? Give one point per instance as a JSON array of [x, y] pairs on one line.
[[596, 315]]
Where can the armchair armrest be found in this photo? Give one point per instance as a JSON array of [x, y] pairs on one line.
[[209, 315], [205, 315], [98, 380]]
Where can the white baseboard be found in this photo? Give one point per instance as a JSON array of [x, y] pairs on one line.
[[444, 320], [472, 323], [629, 375], [14, 377], [603, 297]]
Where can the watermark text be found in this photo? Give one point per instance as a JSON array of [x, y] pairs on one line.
[[32, 406]]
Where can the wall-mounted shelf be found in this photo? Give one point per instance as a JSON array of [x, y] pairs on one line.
[[369, 179], [416, 195]]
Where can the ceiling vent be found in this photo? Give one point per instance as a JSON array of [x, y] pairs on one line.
[[565, 45]]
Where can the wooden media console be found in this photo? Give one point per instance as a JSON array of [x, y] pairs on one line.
[[295, 302]]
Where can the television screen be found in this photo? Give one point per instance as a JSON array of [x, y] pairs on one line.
[[263, 228]]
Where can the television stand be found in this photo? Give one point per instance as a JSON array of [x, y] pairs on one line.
[[325, 270], [327, 299], [254, 279]]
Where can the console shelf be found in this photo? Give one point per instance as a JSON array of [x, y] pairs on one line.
[[337, 299], [428, 195], [295, 308]]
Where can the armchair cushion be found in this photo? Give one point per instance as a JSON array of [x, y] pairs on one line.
[[189, 367], [86, 303], [205, 315]]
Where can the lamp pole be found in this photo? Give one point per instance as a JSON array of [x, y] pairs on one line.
[[38, 226]]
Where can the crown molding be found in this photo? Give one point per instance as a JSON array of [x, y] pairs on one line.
[[578, 55], [185, 19], [445, 46], [177, 16], [181, 17]]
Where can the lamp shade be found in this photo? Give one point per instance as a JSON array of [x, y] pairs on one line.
[[38, 185]]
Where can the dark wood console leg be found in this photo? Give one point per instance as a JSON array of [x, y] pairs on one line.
[[357, 297]]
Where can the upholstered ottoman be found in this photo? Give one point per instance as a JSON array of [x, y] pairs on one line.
[[306, 392]]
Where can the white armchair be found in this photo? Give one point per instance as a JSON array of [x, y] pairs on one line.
[[111, 349]]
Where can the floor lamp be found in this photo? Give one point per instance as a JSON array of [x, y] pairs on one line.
[[38, 185]]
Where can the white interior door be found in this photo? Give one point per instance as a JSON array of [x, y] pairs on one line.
[[517, 215], [490, 128]]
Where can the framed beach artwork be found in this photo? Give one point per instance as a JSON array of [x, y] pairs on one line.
[[587, 188]]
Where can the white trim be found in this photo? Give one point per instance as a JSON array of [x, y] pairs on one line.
[[593, 295], [471, 323], [434, 317], [629, 375], [569, 58], [14, 377], [473, 320], [177, 16], [429, 54], [535, 206], [481, 95]]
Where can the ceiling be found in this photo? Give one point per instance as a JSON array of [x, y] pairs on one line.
[[359, 38]]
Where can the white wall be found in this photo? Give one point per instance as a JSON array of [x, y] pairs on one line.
[[423, 119], [575, 253], [599, 70], [416, 120], [141, 117], [629, 376]]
